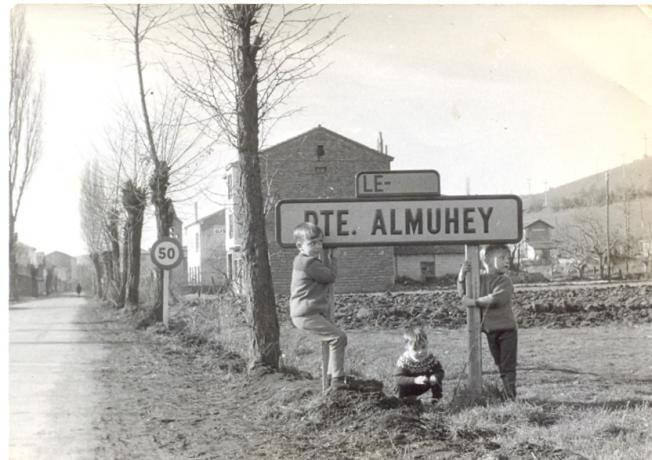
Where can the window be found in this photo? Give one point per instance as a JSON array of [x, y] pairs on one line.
[[427, 270], [320, 152], [197, 242], [230, 228]]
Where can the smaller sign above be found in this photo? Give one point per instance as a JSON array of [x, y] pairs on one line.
[[396, 184], [166, 253]]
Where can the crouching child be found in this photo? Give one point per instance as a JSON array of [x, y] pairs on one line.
[[309, 308], [417, 370]]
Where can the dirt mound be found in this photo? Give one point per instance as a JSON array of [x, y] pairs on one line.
[[359, 415]]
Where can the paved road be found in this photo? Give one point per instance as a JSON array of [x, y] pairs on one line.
[[53, 398]]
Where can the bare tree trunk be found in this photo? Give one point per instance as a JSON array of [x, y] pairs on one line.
[[95, 258], [134, 201], [114, 237], [257, 278], [124, 275], [164, 210], [13, 267], [107, 263]]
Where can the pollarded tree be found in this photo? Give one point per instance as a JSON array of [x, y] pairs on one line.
[[176, 145], [25, 99], [240, 64]]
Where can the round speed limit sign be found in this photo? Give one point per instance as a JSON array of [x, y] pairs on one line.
[[166, 253]]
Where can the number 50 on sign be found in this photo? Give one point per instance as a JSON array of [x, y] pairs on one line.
[[166, 253]]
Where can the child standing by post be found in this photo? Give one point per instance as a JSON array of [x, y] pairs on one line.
[[309, 307], [418, 371], [495, 300]]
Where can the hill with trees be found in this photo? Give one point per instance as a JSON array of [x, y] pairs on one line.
[[578, 212]]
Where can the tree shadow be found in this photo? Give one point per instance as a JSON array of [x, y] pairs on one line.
[[614, 404]]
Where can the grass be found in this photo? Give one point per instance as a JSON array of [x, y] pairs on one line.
[[583, 393]]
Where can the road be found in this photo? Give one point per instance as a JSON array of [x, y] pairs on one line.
[[53, 397]]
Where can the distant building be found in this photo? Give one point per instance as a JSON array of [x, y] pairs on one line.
[[538, 243], [60, 268], [423, 263], [206, 251], [319, 163], [30, 271]]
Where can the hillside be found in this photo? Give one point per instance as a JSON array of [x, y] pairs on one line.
[[630, 207], [640, 217], [634, 178]]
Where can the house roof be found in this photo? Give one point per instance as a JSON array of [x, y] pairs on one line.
[[217, 218], [418, 250], [325, 130], [537, 221], [58, 253]]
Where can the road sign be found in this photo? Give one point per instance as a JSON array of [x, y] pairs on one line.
[[470, 219], [385, 184], [166, 253]]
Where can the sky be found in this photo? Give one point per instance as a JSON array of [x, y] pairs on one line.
[[510, 98]]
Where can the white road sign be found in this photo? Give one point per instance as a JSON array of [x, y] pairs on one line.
[[408, 183], [469, 219], [166, 253]]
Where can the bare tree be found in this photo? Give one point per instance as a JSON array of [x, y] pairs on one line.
[[25, 99], [241, 63], [584, 241], [92, 224], [175, 155]]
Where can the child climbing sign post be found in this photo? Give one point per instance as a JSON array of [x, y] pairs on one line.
[[411, 217]]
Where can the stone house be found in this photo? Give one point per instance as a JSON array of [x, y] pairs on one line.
[[206, 255], [319, 163]]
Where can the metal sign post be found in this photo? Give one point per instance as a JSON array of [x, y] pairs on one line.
[[473, 321], [166, 253], [326, 255]]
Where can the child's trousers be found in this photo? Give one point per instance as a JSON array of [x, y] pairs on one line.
[[503, 346], [414, 389], [327, 332]]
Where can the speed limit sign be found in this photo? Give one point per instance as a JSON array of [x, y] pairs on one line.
[[166, 253]]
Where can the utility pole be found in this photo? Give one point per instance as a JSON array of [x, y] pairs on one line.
[[606, 177]]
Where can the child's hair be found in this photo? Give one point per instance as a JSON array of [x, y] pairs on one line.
[[494, 248], [306, 231], [415, 337]]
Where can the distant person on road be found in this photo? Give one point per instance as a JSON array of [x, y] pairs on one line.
[[495, 302], [417, 370], [78, 289], [309, 307]]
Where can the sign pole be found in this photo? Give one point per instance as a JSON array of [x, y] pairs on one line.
[[473, 321], [166, 283], [166, 253], [325, 349]]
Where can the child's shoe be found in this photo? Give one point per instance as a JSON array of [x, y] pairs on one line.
[[337, 383]]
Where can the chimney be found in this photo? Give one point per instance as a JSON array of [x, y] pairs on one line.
[[379, 143], [196, 212]]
